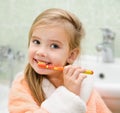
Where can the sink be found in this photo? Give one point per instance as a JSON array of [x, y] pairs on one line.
[[107, 83], [107, 79]]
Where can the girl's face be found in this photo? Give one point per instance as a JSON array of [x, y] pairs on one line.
[[51, 46]]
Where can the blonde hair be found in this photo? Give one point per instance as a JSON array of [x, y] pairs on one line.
[[75, 30]]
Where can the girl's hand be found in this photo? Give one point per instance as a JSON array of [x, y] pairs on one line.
[[73, 77]]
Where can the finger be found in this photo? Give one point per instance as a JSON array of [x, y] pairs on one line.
[[66, 68], [69, 70], [77, 72], [81, 77]]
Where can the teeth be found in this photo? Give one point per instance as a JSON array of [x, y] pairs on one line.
[[43, 62], [47, 63]]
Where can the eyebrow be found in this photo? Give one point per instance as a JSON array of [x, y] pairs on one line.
[[56, 41], [35, 37]]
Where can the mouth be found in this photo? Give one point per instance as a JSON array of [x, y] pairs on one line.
[[43, 63], [48, 65]]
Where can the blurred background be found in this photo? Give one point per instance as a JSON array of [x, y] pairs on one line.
[[16, 17]]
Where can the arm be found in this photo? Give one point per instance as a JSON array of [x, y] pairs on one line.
[[62, 100]]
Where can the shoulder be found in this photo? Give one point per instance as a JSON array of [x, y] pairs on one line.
[[19, 75], [18, 78], [19, 82], [96, 103]]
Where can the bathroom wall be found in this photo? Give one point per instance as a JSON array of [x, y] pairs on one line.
[[16, 17]]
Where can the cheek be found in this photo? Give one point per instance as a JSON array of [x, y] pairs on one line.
[[59, 59], [30, 53]]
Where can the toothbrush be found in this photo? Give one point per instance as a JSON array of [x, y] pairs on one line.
[[43, 65]]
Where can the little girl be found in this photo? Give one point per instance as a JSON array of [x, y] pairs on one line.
[[54, 40]]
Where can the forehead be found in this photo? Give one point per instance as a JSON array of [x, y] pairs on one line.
[[62, 23], [52, 33]]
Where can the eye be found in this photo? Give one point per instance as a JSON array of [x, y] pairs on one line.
[[55, 46], [36, 42]]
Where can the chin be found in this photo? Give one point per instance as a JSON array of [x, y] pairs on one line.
[[42, 71]]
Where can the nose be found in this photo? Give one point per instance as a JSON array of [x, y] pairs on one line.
[[42, 52]]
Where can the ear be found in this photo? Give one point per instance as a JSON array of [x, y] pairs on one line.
[[72, 55]]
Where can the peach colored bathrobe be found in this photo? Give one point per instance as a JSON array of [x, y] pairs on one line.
[[58, 100]]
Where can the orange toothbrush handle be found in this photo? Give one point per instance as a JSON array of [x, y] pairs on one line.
[[43, 65]]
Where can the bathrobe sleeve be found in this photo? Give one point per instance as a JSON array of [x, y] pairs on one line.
[[60, 101], [96, 104], [64, 101], [100, 105]]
